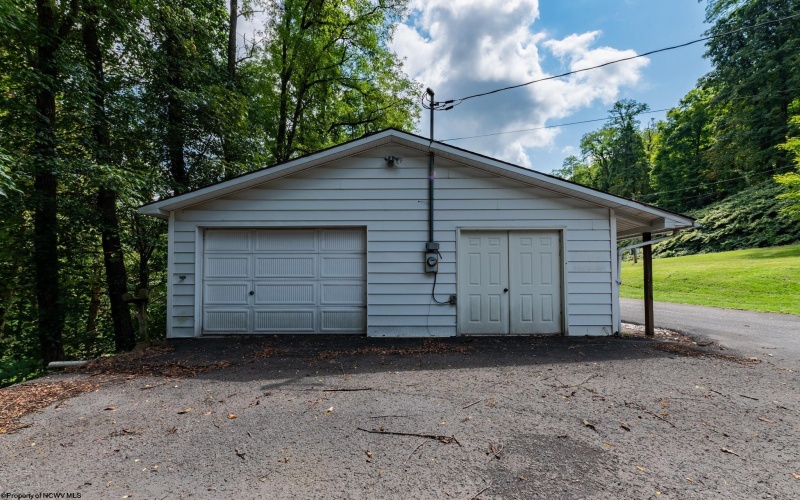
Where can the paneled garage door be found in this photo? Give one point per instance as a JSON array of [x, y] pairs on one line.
[[284, 281], [509, 282]]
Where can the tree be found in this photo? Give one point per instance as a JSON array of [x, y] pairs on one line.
[[614, 156], [629, 168], [791, 180], [756, 76], [107, 199], [573, 169], [336, 79], [682, 175], [52, 28], [6, 181], [596, 148]]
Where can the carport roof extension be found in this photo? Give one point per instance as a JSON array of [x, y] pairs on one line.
[[633, 217]]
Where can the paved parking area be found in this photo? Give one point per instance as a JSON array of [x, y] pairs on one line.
[[517, 417]]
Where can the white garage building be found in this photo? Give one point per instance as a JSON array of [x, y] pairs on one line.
[[338, 242]]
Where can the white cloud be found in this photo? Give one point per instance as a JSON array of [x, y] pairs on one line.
[[465, 47]]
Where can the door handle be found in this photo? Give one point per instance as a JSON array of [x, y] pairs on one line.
[[505, 290], [252, 292]]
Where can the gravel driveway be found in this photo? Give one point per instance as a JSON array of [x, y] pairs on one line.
[[518, 417]]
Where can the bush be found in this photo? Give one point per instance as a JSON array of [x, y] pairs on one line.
[[14, 371]]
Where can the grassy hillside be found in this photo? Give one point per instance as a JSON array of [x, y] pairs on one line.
[[763, 279], [753, 218]]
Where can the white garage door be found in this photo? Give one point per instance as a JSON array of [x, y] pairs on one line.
[[284, 281]]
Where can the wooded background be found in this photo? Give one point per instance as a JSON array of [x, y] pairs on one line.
[[109, 105]]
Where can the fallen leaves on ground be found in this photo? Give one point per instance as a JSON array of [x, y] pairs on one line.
[[427, 347], [692, 352], [23, 399], [632, 330], [141, 363], [265, 353], [231, 416]]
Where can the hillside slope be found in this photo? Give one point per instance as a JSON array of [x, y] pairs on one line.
[[762, 279], [752, 218]]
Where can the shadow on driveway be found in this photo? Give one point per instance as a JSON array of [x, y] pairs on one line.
[[287, 359]]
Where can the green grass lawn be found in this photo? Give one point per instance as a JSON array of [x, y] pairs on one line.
[[762, 279]]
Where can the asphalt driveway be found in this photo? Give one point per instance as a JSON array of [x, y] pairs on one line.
[[491, 418], [749, 332]]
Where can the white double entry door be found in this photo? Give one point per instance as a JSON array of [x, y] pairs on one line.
[[509, 282]]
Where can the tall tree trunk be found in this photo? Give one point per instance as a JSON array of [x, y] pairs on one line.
[[45, 186], [116, 276], [145, 252], [176, 137], [228, 150], [281, 147], [234, 17]]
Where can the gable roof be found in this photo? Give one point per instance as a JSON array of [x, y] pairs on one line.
[[633, 218]]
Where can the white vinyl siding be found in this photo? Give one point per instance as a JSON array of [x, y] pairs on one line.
[[391, 203]]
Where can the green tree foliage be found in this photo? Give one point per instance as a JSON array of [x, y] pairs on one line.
[[791, 180], [682, 175], [108, 105], [630, 166], [573, 169], [756, 76], [732, 132], [336, 77], [615, 158]]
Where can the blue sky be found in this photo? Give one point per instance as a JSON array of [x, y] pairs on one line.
[[462, 47]]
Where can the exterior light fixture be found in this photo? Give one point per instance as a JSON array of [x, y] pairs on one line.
[[391, 161]]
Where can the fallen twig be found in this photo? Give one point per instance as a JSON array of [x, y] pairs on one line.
[[441, 439], [649, 412], [712, 390], [154, 386], [726, 450], [471, 404], [479, 493], [347, 389], [415, 450], [748, 397], [588, 379], [393, 416], [9, 405]]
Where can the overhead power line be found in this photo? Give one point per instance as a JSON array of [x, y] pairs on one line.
[[547, 126], [593, 120], [449, 104]]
